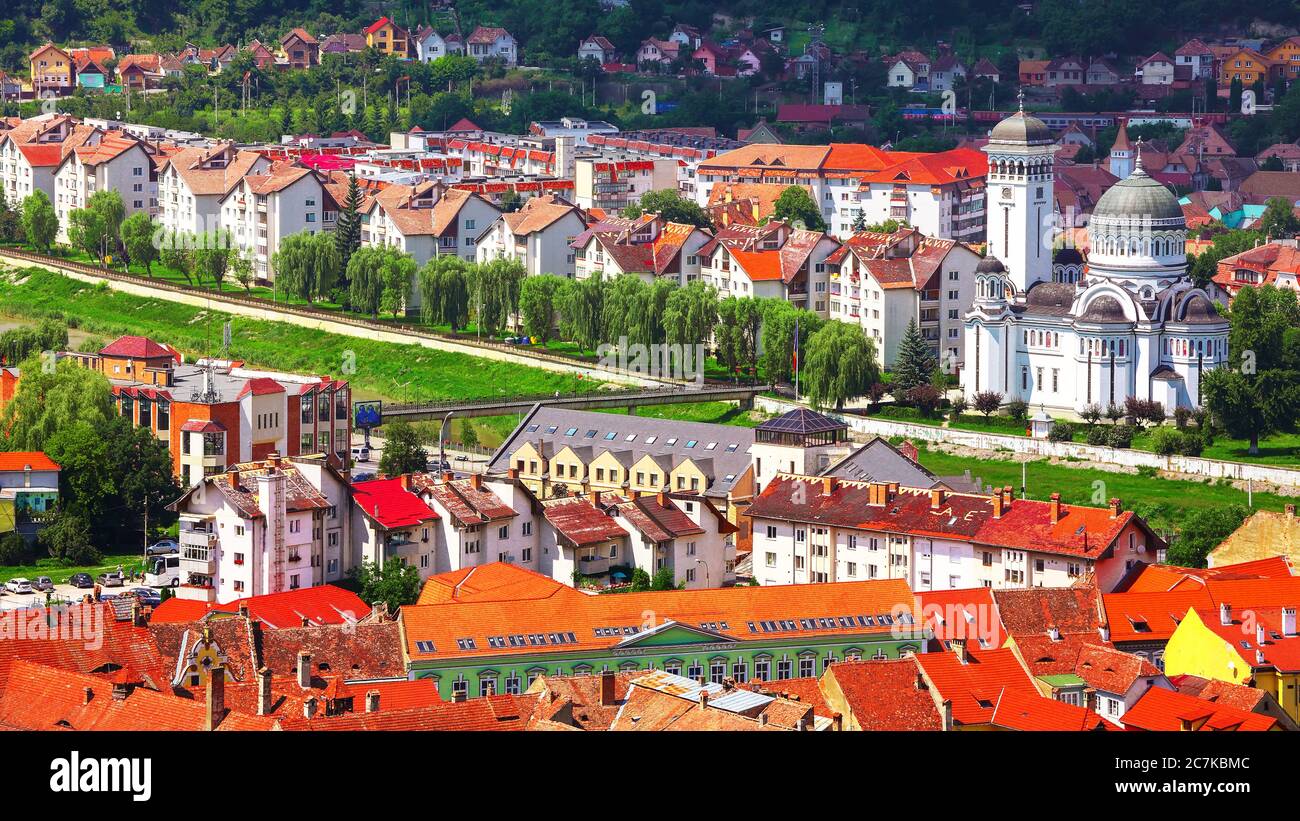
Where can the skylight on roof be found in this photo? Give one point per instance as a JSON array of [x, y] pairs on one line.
[[711, 446], [570, 431], [650, 440], [732, 447], [552, 429], [690, 443], [612, 435], [533, 428], [671, 441], [591, 434], [631, 437]]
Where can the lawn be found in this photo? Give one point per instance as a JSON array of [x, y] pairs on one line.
[[384, 369], [1163, 502], [60, 573], [721, 413]]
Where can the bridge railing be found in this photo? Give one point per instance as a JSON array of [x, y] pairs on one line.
[[554, 396]]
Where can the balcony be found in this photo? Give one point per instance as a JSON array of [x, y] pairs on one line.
[[593, 565], [198, 539]]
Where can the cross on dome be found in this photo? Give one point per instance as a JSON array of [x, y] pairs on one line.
[[1020, 96], [1138, 157]]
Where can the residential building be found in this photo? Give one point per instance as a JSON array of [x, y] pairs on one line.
[[213, 414], [967, 685], [1162, 710], [52, 71], [612, 181], [648, 246], [492, 43], [1246, 65], [325, 604], [263, 527], [819, 529], [657, 701], [1284, 60], [300, 49], [1158, 69], [389, 38], [116, 162], [946, 72], [1198, 57], [880, 695], [908, 69], [537, 236], [33, 150], [1065, 71], [427, 220], [597, 48], [504, 642], [262, 209], [193, 182], [884, 281], [773, 260], [430, 45], [657, 53], [1264, 534], [1275, 263]]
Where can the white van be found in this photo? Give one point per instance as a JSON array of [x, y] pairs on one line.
[[360, 453], [165, 571]]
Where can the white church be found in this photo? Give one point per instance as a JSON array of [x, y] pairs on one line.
[[1062, 334]]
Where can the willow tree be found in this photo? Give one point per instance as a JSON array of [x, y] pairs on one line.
[[841, 365]]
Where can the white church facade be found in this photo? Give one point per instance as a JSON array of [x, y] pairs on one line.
[[1062, 334]]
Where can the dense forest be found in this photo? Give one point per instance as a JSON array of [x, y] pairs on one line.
[[548, 28]]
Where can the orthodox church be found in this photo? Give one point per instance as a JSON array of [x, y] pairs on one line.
[[1062, 334]]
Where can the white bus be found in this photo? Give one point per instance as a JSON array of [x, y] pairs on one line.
[[164, 572]]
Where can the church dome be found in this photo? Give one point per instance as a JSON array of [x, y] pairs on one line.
[[1138, 196], [1197, 310], [1067, 256], [1104, 309], [990, 265], [1021, 128], [1050, 295]]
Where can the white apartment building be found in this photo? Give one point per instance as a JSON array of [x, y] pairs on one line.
[[263, 527], [611, 181], [193, 182], [116, 162], [32, 151], [648, 246], [820, 529], [537, 235], [883, 281], [428, 220], [771, 260], [262, 209]]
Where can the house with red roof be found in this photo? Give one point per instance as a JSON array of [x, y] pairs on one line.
[[648, 246], [775, 260], [597, 48], [1162, 710], [323, 604], [537, 235], [33, 149], [390, 520], [299, 48], [1017, 710], [113, 161], [389, 38], [52, 71], [966, 685], [884, 695], [263, 208], [29, 486], [826, 529], [1275, 263]]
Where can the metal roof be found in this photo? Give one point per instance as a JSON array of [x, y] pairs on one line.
[[801, 420]]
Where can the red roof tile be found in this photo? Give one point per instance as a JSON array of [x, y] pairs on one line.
[[21, 460], [390, 504], [1018, 710], [975, 685], [323, 604], [882, 695], [139, 347], [1161, 709]]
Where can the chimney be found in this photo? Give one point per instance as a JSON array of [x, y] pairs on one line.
[[216, 693], [704, 699], [607, 688], [1288, 622], [877, 493], [1054, 633], [936, 498], [512, 473], [837, 722], [920, 680], [662, 499], [1103, 631], [372, 701], [959, 648], [1225, 614], [137, 613], [447, 476], [86, 695], [243, 609], [476, 480], [909, 450], [309, 707], [893, 491], [232, 478], [1259, 657], [828, 485], [405, 479], [762, 719], [1056, 507], [1290, 511], [1115, 508], [594, 498], [947, 714], [997, 504], [304, 669], [121, 690], [273, 459], [1007, 495], [1260, 635], [461, 695], [264, 691]]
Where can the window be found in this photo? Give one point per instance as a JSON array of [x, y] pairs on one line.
[[763, 669], [807, 666], [784, 669], [717, 670], [739, 672], [695, 671]]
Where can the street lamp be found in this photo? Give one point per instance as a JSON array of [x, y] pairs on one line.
[[442, 440], [708, 582]]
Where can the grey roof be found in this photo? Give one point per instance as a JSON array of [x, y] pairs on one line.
[[1104, 309], [1197, 310], [1021, 128], [990, 265], [802, 420], [1138, 196], [879, 461], [726, 447]]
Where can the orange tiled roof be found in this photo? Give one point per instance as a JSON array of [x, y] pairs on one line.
[[975, 684], [1161, 709]]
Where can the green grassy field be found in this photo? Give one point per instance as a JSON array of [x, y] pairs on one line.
[[60, 573], [383, 369]]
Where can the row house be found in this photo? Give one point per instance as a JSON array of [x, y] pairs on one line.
[[193, 182], [213, 414], [942, 194], [538, 236], [428, 220], [492, 43], [117, 162], [526, 157], [263, 209], [430, 45], [33, 150], [773, 260], [647, 246], [818, 529], [503, 631], [884, 281], [263, 527]]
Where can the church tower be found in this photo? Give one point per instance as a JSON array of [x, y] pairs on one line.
[[1020, 205], [1121, 153]]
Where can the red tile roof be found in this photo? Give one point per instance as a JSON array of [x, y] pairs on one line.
[[1111, 670], [882, 695], [975, 685], [497, 581], [1161, 709], [324, 604], [261, 386], [139, 347], [390, 504], [1280, 651], [581, 523], [41, 155], [1018, 710], [962, 614], [23, 459]]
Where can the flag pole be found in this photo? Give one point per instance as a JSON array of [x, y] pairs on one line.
[[796, 358]]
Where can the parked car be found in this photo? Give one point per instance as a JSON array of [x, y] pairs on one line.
[[18, 586], [146, 595], [111, 579], [434, 464], [43, 583], [363, 477], [81, 580], [361, 453], [162, 547]]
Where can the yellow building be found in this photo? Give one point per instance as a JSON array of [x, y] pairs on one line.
[[388, 37], [1254, 646], [1265, 535], [1285, 59], [1246, 65]]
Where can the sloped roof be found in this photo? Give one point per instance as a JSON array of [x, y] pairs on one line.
[[388, 503], [882, 695]]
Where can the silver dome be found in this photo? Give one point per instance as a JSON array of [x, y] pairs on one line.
[[1138, 196], [1021, 128]]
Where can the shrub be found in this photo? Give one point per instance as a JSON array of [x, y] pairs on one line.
[[1099, 435], [1061, 432], [1181, 416], [1121, 436], [925, 398], [958, 406], [1192, 444], [1167, 441], [1114, 413], [1091, 413], [987, 402], [14, 549], [1018, 409]]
